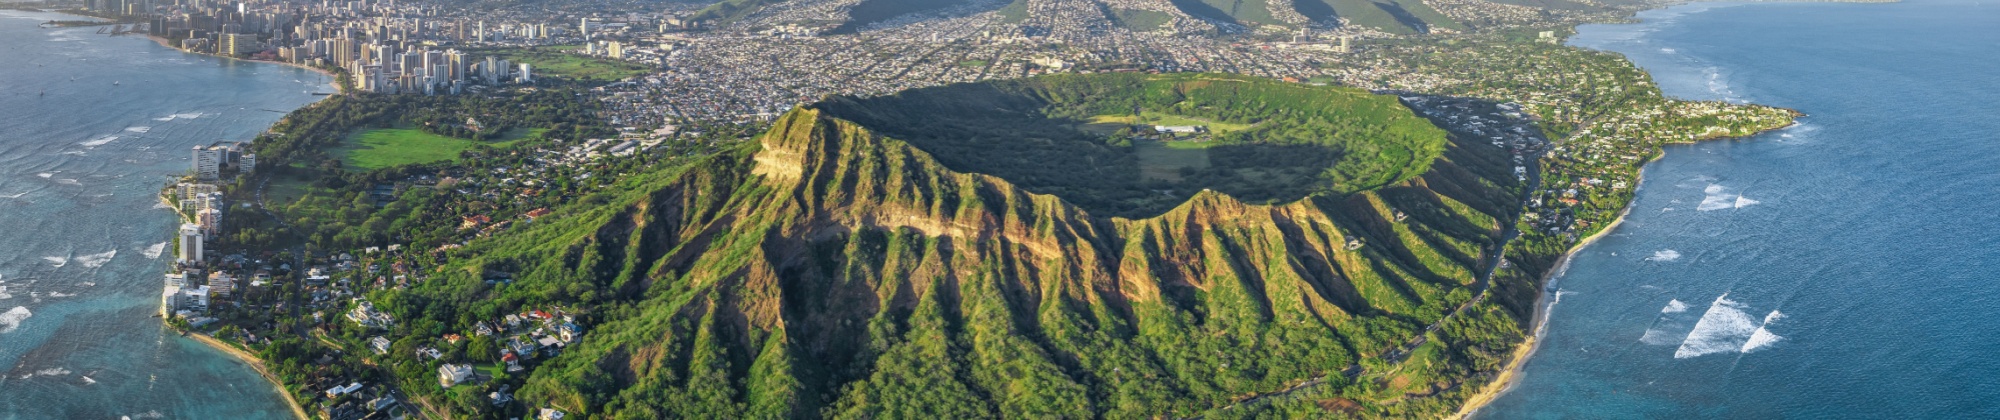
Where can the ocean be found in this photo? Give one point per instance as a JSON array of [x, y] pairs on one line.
[[84, 246], [1841, 268]]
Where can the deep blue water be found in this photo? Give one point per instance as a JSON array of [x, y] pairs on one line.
[[81, 257], [1856, 275]]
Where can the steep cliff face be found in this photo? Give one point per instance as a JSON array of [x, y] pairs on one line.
[[836, 272]]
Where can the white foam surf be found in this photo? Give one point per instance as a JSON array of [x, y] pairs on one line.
[[181, 116], [153, 252], [1665, 256], [88, 381], [3, 293], [1671, 326], [1674, 306], [11, 320], [57, 261], [139, 129], [1724, 328], [98, 259], [1763, 337], [1718, 197], [100, 141], [54, 371]]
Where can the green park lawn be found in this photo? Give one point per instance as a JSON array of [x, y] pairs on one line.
[[1162, 118], [386, 147]]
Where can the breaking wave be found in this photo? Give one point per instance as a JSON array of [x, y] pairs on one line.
[[100, 141], [1665, 256], [1724, 328], [153, 252], [1671, 326], [11, 320], [1717, 197], [98, 259], [1763, 337], [58, 261], [139, 129], [182, 116]]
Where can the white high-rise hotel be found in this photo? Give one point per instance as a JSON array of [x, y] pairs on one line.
[[208, 162], [190, 250]]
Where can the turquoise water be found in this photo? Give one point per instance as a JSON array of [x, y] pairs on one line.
[[1843, 268], [82, 256]]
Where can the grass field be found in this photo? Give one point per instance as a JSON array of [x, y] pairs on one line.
[[558, 62], [1161, 118], [1164, 160], [974, 64], [385, 147]]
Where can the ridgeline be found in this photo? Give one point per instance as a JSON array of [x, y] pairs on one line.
[[850, 264]]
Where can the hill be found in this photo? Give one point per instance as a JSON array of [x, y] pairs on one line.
[[834, 269]]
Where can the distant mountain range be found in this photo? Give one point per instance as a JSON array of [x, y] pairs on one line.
[[1390, 16]]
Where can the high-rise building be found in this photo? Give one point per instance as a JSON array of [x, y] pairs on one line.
[[233, 44], [190, 249], [210, 220], [208, 163], [526, 75]]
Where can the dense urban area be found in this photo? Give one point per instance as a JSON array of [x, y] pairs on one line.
[[334, 246]]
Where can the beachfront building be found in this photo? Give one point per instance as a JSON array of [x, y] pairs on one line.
[[190, 249], [175, 299], [208, 162]]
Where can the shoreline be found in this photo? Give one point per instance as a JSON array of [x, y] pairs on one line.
[[324, 72], [1543, 307], [257, 364], [1504, 381]]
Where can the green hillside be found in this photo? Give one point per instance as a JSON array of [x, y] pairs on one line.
[[1392, 16], [834, 269], [730, 10], [1243, 12]]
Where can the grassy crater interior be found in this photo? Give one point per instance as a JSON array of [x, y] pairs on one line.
[[1089, 139]]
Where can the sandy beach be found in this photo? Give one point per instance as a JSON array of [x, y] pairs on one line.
[[255, 363], [336, 86]]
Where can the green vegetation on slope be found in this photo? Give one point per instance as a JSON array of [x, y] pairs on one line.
[[1274, 141], [1242, 12], [833, 270], [871, 11], [1392, 16], [730, 11]]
